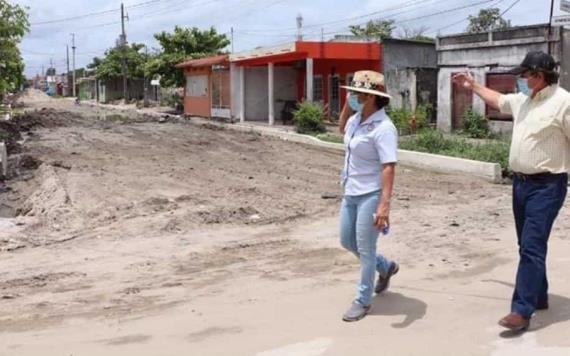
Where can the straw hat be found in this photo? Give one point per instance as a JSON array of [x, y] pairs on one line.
[[369, 82]]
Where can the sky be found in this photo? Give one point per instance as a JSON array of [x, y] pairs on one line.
[[96, 23]]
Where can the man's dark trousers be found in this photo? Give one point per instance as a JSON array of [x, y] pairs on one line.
[[537, 199]]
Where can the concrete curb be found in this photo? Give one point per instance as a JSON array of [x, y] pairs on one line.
[[436, 163], [3, 159], [491, 172]]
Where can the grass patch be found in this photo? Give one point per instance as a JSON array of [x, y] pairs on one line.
[[433, 141], [328, 137]]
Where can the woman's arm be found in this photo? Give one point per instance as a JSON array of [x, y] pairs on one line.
[[345, 114], [383, 211]]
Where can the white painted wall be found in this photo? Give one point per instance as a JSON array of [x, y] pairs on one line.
[[256, 92], [235, 104], [444, 99], [256, 104]]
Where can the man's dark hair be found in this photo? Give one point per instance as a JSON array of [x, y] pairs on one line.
[[549, 77]]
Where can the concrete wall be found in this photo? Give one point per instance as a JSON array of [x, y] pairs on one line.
[[398, 54], [285, 88], [490, 52], [401, 85], [511, 55], [256, 104], [565, 60], [113, 89], [444, 95], [198, 105], [256, 91], [503, 128]]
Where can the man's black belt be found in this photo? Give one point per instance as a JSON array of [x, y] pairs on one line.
[[539, 176]]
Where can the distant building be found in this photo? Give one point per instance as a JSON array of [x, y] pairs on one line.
[[489, 56]]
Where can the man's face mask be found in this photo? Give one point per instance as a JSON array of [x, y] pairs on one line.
[[522, 85], [354, 104]]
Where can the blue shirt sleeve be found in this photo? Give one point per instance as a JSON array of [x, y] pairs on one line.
[[387, 144]]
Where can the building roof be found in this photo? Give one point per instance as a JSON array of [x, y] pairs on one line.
[[509, 29], [408, 41], [204, 62], [303, 50]]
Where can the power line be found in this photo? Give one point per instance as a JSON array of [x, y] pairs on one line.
[[468, 17], [94, 14], [384, 10], [428, 15], [321, 25], [510, 7]]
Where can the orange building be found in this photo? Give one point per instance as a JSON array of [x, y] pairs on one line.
[[267, 82], [207, 91]]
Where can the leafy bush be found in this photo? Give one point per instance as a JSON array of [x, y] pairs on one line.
[[308, 118], [433, 141], [402, 118], [475, 125]]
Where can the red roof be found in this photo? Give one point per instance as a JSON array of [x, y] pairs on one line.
[[371, 51], [204, 62]]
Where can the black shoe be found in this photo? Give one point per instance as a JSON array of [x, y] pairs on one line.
[[384, 281]]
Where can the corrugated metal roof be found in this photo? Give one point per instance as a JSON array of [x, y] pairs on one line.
[[204, 62]]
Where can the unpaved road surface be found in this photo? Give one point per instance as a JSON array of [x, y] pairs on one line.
[[122, 235]]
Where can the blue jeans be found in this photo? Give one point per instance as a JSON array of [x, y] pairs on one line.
[[359, 235], [536, 203]]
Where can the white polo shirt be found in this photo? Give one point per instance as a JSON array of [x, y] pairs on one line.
[[368, 146]]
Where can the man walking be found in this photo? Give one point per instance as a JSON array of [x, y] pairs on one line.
[[540, 160]]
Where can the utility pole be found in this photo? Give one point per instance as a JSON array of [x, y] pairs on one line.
[[232, 40], [73, 63], [124, 50], [145, 78], [322, 35], [67, 73], [550, 26]]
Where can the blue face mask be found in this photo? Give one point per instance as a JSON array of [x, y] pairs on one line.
[[522, 84], [354, 104]]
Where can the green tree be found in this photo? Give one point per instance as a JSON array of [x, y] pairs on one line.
[[375, 28], [487, 20], [182, 44], [14, 25], [416, 34], [111, 66]]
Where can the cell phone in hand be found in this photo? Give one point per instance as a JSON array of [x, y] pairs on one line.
[[385, 230]]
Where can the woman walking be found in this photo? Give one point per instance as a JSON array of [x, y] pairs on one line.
[[371, 141]]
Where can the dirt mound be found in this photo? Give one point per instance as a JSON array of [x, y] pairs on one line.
[[10, 134], [50, 204], [11, 131], [43, 118]]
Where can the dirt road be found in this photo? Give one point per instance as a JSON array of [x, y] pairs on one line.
[[180, 238]]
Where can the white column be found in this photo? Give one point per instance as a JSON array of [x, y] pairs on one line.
[[309, 80], [241, 94], [270, 93]]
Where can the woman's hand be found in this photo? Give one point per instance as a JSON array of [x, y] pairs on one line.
[[382, 220]]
